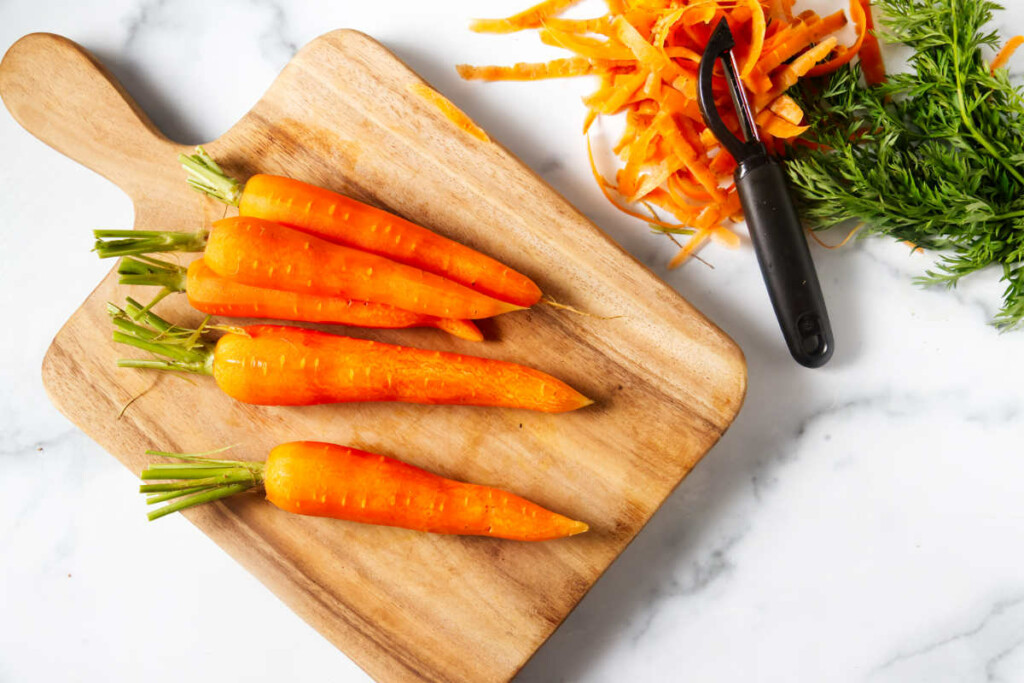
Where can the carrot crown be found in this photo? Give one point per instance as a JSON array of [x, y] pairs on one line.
[[206, 176], [180, 348], [112, 243], [198, 480]]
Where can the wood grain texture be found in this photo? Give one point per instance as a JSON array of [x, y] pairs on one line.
[[403, 605]]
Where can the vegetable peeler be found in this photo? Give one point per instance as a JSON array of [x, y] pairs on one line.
[[774, 225]]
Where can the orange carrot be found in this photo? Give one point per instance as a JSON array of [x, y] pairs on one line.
[[211, 293], [343, 220], [327, 480], [291, 366], [265, 254]]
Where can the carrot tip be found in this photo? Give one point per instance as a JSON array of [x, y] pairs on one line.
[[579, 528], [461, 329], [571, 403], [511, 308]]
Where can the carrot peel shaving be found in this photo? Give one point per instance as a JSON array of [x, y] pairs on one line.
[[449, 110], [645, 53], [1006, 53], [845, 55], [531, 18]]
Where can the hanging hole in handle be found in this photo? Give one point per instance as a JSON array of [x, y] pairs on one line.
[[812, 340]]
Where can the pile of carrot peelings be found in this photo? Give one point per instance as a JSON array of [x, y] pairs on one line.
[[645, 54]]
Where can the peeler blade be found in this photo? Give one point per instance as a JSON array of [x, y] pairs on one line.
[[719, 48]]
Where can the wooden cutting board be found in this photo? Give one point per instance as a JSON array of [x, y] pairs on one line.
[[403, 605]]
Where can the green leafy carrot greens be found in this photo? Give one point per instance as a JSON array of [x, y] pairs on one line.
[[934, 156]]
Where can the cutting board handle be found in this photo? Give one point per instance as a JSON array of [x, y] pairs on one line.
[[58, 92]]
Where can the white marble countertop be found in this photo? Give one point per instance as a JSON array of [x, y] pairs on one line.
[[860, 522]]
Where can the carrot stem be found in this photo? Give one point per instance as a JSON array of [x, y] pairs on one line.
[[172, 467], [659, 230], [143, 329], [152, 272], [197, 367], [154, 498], [155, 364], [187, 471], [139, 320], [198, 481], [182, 485], [204, 473], [206, 176], [113, 243], [207, 496], [226, 477], [202, 458], [138, 312]]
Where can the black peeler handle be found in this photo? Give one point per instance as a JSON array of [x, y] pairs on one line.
[[785, 260], [774, 225]]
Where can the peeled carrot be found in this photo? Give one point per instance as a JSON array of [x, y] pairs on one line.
[[265, 254], [327, 480], [211, 293], [345, 221], [291, 366]]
